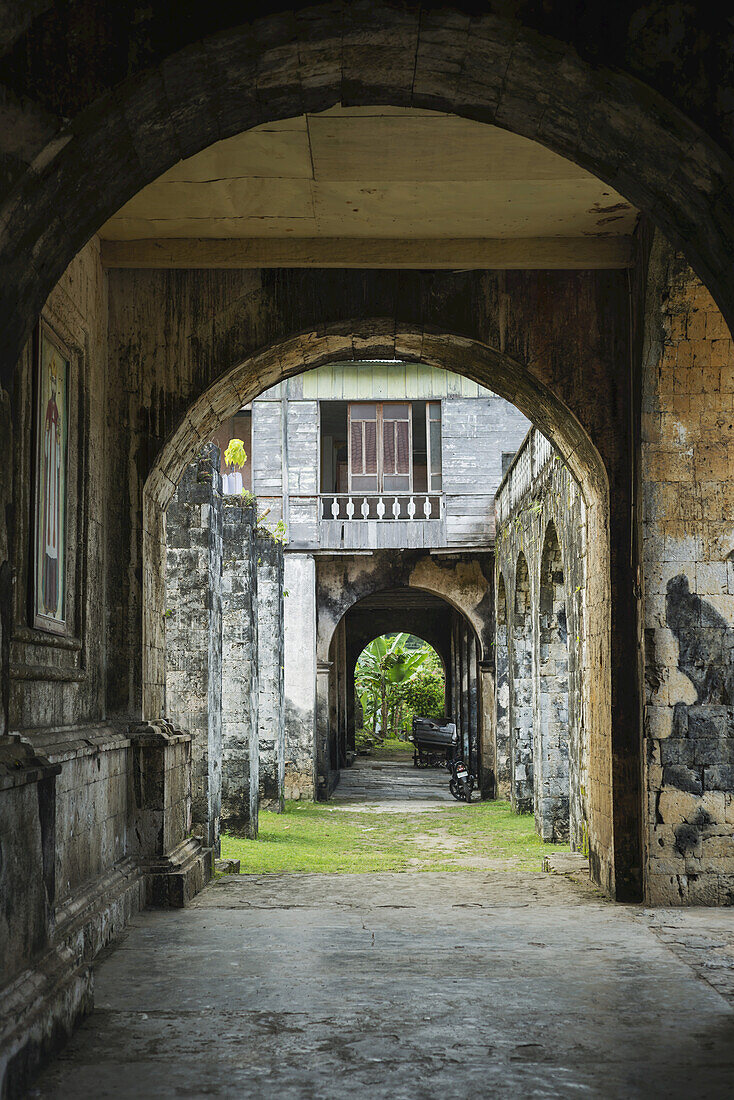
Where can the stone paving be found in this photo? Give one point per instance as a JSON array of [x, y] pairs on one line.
[[409, 986], [394, 785], [402, 986]]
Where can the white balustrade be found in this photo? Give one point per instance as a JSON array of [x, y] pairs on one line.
[[530, 461], [377, 506]]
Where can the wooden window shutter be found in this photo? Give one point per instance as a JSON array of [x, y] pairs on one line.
[[396, 447], [356, 453], [363, 457]]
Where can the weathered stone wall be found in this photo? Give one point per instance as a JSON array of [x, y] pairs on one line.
[[523, 739], [67, 875], [240, 736], [270, 656], [688, 557], [224, 650], [194, 629], [542, 657]]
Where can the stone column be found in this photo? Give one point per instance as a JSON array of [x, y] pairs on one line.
[[270, 658], [487, 742], [299, 608], [473, 700], [240, 734], [194, 630], [323, 762]]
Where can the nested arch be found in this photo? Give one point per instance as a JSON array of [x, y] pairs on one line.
[[377, 338], [382, 338]]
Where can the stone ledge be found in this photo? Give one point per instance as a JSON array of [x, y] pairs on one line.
[[566, 863], [20, 764], [173, 881]]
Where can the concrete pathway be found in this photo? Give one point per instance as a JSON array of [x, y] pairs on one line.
[[402, 986], [395, 786]]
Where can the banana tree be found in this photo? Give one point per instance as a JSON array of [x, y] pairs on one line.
[[384, 666]]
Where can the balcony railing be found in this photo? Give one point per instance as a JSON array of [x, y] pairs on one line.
[[381, 506]]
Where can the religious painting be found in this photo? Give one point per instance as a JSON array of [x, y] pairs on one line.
[[52, 433]]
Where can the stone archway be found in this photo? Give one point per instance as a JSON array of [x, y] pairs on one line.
[[518, 383], [443, 625]]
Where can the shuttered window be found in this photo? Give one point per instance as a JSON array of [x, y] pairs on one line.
[[380, 447], [363, 450], [396, 448]]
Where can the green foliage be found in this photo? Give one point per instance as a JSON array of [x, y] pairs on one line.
[[235, 455], [393, 682], [342, 839], [424, 694], [277, 531]]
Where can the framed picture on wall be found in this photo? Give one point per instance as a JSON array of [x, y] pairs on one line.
[[51, 440]]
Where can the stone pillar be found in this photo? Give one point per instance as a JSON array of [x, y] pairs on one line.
[[300, 674], [176, 865], [473, 700], [502, 699], [240, 734], [323, 764], [487, 739], [270, 659], [194, 630]]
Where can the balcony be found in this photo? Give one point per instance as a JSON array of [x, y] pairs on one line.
[[353, 521]]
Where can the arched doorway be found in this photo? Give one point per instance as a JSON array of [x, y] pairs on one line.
[[476, 360]]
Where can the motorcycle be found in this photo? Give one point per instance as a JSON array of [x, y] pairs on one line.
[[461, 781]]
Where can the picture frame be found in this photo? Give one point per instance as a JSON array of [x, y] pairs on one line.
[[50, 535]]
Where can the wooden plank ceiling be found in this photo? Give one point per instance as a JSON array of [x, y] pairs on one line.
[[386, 184]]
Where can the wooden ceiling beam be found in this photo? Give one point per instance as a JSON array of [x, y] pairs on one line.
[[561, 253]]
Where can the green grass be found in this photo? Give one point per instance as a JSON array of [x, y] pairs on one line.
[[392, 748], [341, 839]]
